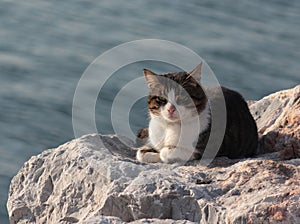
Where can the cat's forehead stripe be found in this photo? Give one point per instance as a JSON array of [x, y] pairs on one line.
[[171, 96]]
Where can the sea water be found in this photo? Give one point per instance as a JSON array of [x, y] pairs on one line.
[[45, 46]]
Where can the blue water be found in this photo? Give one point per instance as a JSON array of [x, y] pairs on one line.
[[252, 46]]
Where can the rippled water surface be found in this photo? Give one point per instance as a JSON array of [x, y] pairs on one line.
[[252, 46]]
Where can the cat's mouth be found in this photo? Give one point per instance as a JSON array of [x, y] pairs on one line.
[[173, 117]]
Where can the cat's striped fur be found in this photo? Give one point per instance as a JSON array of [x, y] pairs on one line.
[[180, 120]]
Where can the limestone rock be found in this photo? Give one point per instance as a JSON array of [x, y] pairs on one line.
[[278, 120], [96, 179], [84, 182], [88, 177]]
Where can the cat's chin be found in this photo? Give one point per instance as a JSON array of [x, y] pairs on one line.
[[172, 119]]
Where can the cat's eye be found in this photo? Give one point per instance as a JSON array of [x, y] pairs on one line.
[[161, 99], [182, 99]]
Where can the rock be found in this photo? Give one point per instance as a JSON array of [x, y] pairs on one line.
[[84, 182], [278, 121], [96, 179], [96, 176]]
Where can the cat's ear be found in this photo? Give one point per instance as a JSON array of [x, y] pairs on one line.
[[196, 73], [151, 78]]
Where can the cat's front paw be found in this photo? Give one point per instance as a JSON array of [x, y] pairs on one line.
[[172, 154], [147, 155]]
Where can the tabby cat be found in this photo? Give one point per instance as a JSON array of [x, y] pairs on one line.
[[178, 104]]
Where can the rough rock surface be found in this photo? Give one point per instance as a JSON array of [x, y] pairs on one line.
[[278, 120], [95, 179]]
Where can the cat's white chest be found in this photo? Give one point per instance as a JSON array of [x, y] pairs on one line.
[[164, 135], [184, 134], [159, 132]]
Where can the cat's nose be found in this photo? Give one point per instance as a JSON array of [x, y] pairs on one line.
[[171, 109]]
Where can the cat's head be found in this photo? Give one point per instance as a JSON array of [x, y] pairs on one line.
[[175, 96]]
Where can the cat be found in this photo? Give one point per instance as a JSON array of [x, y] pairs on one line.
[[178, 104]]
